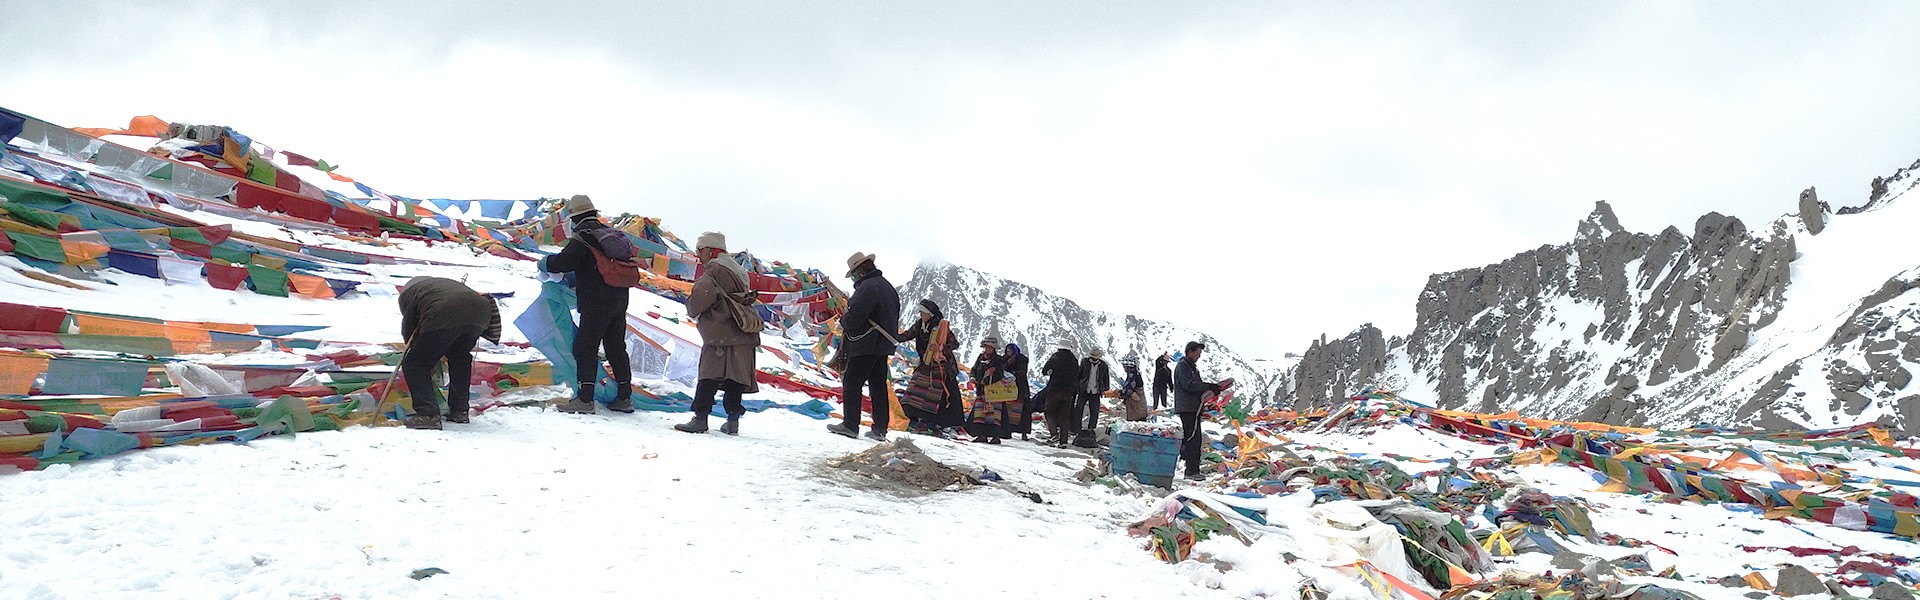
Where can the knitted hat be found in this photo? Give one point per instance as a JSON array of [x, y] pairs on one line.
[[1130, 362], [711, 239], [927, 305], [579, 204], [854, 262]]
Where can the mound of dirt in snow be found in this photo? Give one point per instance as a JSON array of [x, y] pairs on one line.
[[902, 462]]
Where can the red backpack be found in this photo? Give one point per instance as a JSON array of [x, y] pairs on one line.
[[617, 272]]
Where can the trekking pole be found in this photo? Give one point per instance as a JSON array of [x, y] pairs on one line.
[[387, 392]]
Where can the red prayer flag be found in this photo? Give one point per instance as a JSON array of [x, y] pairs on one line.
[[225, 277]]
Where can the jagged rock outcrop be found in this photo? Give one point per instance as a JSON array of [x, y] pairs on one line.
[[979, 303], [1671, 328], [1341, 365], [1813, 212]]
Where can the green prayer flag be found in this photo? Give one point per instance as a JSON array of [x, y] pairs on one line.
[[187, 234], [230, 253], [37, 246], [32, 216], [262, 171], [129, 344], [37, 196], [324, 166], [269, 281], [164, 173]]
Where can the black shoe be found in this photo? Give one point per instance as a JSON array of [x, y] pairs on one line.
[[420, 422], [621, 405], [993, 440], [731, 427], [458, 416], [877, 435], [1194, 476], [697, 425], [842, 430]]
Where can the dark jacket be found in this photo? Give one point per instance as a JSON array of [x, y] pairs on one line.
[[922, 334], [436, 303], [1162, 377], [988, 368], [874, 302], [1132, 382], [1095, 377], [1188, 386], [577, 258], [1017, 367], [1062, 372]]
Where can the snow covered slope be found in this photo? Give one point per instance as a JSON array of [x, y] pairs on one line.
[[1804, 322], [980, 303]]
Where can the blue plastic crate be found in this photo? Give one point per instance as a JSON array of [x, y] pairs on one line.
[[1150, 459]]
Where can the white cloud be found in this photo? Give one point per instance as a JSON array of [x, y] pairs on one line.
[[1183, 165]]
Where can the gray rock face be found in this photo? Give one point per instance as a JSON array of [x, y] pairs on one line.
[[1891, 591], [1670, 329], [1796, 580], [1813, 212], [1334, 370], [978, 303]]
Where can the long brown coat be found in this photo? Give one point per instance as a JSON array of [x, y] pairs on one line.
[[726, 351]]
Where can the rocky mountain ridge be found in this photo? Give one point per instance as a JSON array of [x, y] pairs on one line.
[[1809, 321]]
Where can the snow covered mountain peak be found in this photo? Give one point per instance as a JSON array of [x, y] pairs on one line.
[[1811, 320], [980, 303]]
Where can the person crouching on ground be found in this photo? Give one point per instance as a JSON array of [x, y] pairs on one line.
[[442, 319], [726, 349], [1187, 389]]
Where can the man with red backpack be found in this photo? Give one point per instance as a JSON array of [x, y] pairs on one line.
[[597, 253]]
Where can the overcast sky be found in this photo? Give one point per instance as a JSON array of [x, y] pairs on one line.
[[1182, 161]]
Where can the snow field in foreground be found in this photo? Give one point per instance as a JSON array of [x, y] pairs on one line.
[[526, 503]]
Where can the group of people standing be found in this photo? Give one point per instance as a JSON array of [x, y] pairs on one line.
[[442, 319], [1003, 405]]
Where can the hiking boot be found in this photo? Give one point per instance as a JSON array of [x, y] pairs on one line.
[[877, 435], [993, 440], [577, 406], [842, 430], [421, 422], [621, 405], [731, 427], [1194, 476], [458, 417], [697, 425]]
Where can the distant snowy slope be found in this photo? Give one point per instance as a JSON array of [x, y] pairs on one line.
[[980, 303]]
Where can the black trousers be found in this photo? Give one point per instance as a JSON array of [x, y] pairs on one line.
[[704, 391], [1190, 440], [1159, 399], [1086, 407], [869, 374], [427, 349], [602, 327]]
